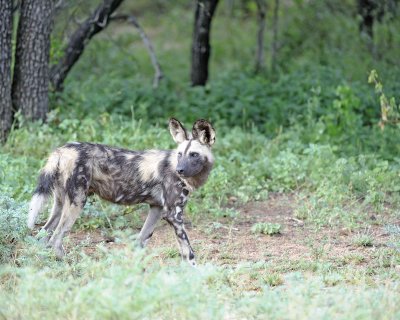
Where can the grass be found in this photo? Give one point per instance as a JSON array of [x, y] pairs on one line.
[[273, 279], [128, 283], [363, 239], [266, 228]]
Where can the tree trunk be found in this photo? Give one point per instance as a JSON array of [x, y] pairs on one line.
[[260, 58], [231, 7], [274, 53], [5, 68], [31, 71], [366, 9], [201, 41], [93, 25]]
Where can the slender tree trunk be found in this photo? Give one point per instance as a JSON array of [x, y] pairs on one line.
[[5, 68], [231, 7], [76, 45], [31, 71], [201, 41], [366, 9], [260, 57], [274, 53]]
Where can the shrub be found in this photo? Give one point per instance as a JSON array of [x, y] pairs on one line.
[[13, 227]]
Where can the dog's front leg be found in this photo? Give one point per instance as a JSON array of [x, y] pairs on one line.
[[147, 230], [174, 218]]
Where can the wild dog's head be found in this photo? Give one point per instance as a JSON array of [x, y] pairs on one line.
[[194, 155]]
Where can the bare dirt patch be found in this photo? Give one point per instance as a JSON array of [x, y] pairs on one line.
[[231, 241]]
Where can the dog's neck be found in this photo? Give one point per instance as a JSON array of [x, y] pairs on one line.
[[198, 180]]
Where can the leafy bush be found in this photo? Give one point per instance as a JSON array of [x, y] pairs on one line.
[[13, 227]]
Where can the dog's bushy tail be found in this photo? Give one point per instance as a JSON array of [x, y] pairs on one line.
[[42, 193], [35, 207]]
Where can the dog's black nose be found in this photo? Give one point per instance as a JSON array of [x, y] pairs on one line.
[[180, 171]]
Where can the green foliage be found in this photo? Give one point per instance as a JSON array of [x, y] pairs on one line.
[[128, 283], [363, 240], [347, 189], [155, 291], [248, 166], [273, 279], [13, 227], [394, 231], [320, 64], [266, 228], [390, 111], [171, 253], [17, 175]]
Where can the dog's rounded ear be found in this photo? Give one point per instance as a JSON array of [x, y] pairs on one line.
[[203, 132], [178, 132]]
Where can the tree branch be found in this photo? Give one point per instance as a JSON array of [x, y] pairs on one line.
[[158, 74], [97, 22]]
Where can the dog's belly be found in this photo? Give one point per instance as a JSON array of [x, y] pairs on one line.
[[122, 192]]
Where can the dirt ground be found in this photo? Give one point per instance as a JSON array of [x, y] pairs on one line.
[[230, 241]]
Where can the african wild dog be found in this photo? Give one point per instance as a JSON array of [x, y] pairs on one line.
[[161, 178]]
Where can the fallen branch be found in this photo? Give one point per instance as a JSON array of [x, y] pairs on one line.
[[158, 74]]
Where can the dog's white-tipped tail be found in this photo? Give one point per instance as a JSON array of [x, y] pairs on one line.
[[35, 207]]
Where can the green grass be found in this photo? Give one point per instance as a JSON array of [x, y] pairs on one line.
[[363, 239], [266, 228], [273, 279], [127, 284]]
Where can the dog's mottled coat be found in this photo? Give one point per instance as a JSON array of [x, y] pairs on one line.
[[161, 178]]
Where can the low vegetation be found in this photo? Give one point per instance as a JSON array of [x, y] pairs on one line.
[[266, 228]]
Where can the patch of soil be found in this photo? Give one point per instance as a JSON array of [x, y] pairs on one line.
[[230, 241]]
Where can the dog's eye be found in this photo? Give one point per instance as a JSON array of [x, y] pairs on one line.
[[179, 154], [194, 154]]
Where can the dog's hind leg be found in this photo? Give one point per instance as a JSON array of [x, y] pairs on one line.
[[54, 217], [70, 212], [146, 232]]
